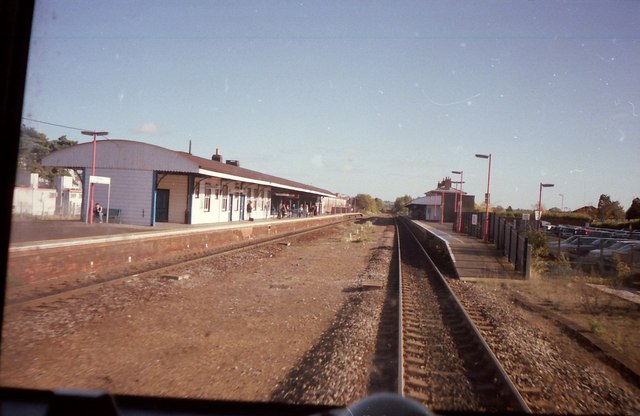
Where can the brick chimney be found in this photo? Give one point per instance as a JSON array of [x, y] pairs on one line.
[[217, 157]]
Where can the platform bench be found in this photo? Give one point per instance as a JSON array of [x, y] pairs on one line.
[[115, 215]]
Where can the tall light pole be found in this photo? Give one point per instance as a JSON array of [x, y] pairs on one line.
[[486, 199], [561, 202], [93, 168], [459, 172], [542, 185]]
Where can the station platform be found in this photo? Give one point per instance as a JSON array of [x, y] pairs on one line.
[[31, 231], [472, 258], [48, 250]]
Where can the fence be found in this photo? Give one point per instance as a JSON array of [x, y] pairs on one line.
[[508, 235]]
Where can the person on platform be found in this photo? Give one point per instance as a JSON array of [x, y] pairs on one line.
[[98, 212]]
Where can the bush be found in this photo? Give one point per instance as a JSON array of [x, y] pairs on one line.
[[566, 218], [618, 225], [538, 241]]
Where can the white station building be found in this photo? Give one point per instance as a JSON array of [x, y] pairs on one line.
[[148, 184]]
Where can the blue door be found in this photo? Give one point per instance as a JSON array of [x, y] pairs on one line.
[[162, 205], [242, 199]]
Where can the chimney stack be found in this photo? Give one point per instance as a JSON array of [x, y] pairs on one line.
[[217, 157]]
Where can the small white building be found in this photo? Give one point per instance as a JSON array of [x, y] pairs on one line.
[[150, 184], [30, 199]]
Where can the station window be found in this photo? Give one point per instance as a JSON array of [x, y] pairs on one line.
[[236, 201], [207, 197], [225, 197]]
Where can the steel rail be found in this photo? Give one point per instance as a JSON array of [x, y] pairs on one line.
[[517, 401], [400, 389]]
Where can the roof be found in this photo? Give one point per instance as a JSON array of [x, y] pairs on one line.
[[232, 171], [446, 191], [128, 154]]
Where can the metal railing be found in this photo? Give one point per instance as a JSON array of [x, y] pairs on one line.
[[507, 234]]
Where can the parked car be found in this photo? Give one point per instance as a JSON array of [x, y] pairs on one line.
[[574, 245], [566, 231], [624, 249]]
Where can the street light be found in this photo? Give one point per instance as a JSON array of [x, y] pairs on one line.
[[459, 172], [542, 185], [93, 168], [486, 199]]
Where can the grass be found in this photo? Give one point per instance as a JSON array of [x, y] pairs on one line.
[[359, 233]]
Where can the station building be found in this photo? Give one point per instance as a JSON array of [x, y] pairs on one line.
[[441, 204], [148, 184]]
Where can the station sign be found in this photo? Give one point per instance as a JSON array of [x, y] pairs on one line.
[[100, 179]]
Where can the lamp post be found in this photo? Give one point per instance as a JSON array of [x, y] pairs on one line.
[[542, 185], [93, 168], [486, 198], [561, 202], [459, 172]]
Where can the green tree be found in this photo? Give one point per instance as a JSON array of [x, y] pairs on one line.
[[364, 203], [399, 206], [379, 203], [34, 146], [608, 209], [634, 210]]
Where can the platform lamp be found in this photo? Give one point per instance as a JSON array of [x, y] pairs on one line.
[[542, 185], [93, 167], [485, 231], [459, 172]]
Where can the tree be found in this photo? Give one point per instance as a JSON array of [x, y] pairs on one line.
[[379, 203], [399, 206], [34, 146], [364, 203], [634, 210], [608, 209]]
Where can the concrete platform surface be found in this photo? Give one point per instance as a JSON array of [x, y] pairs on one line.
[[29, 231], [472, 257]]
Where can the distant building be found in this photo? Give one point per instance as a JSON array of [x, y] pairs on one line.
[[589, 210], [30, 199], [69, 197], [338, 204], [440, 204]]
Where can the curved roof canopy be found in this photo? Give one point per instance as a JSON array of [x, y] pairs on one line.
[[127, 154]]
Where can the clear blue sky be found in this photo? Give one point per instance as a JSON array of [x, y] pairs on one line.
[[383, 98]]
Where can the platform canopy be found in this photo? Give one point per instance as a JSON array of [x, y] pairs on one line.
[[128, 154]]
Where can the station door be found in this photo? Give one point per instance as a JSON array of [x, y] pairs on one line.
[[162, 205]]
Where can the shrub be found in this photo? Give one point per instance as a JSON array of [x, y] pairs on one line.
[[566, 217]]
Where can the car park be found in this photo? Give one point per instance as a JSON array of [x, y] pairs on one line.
[[574, 245], [624, 249]]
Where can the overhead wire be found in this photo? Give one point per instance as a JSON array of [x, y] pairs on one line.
[[60, 125]]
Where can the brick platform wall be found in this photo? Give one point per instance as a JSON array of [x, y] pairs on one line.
[[80, 259]]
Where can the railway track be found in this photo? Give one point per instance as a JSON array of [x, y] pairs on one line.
[[168, 266], [443, 361]]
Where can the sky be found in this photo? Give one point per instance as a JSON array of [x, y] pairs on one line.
[[384, 98]]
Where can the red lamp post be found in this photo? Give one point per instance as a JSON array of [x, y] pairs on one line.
[[486, 199], [542, 185], [93, 168], [459, 172]]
